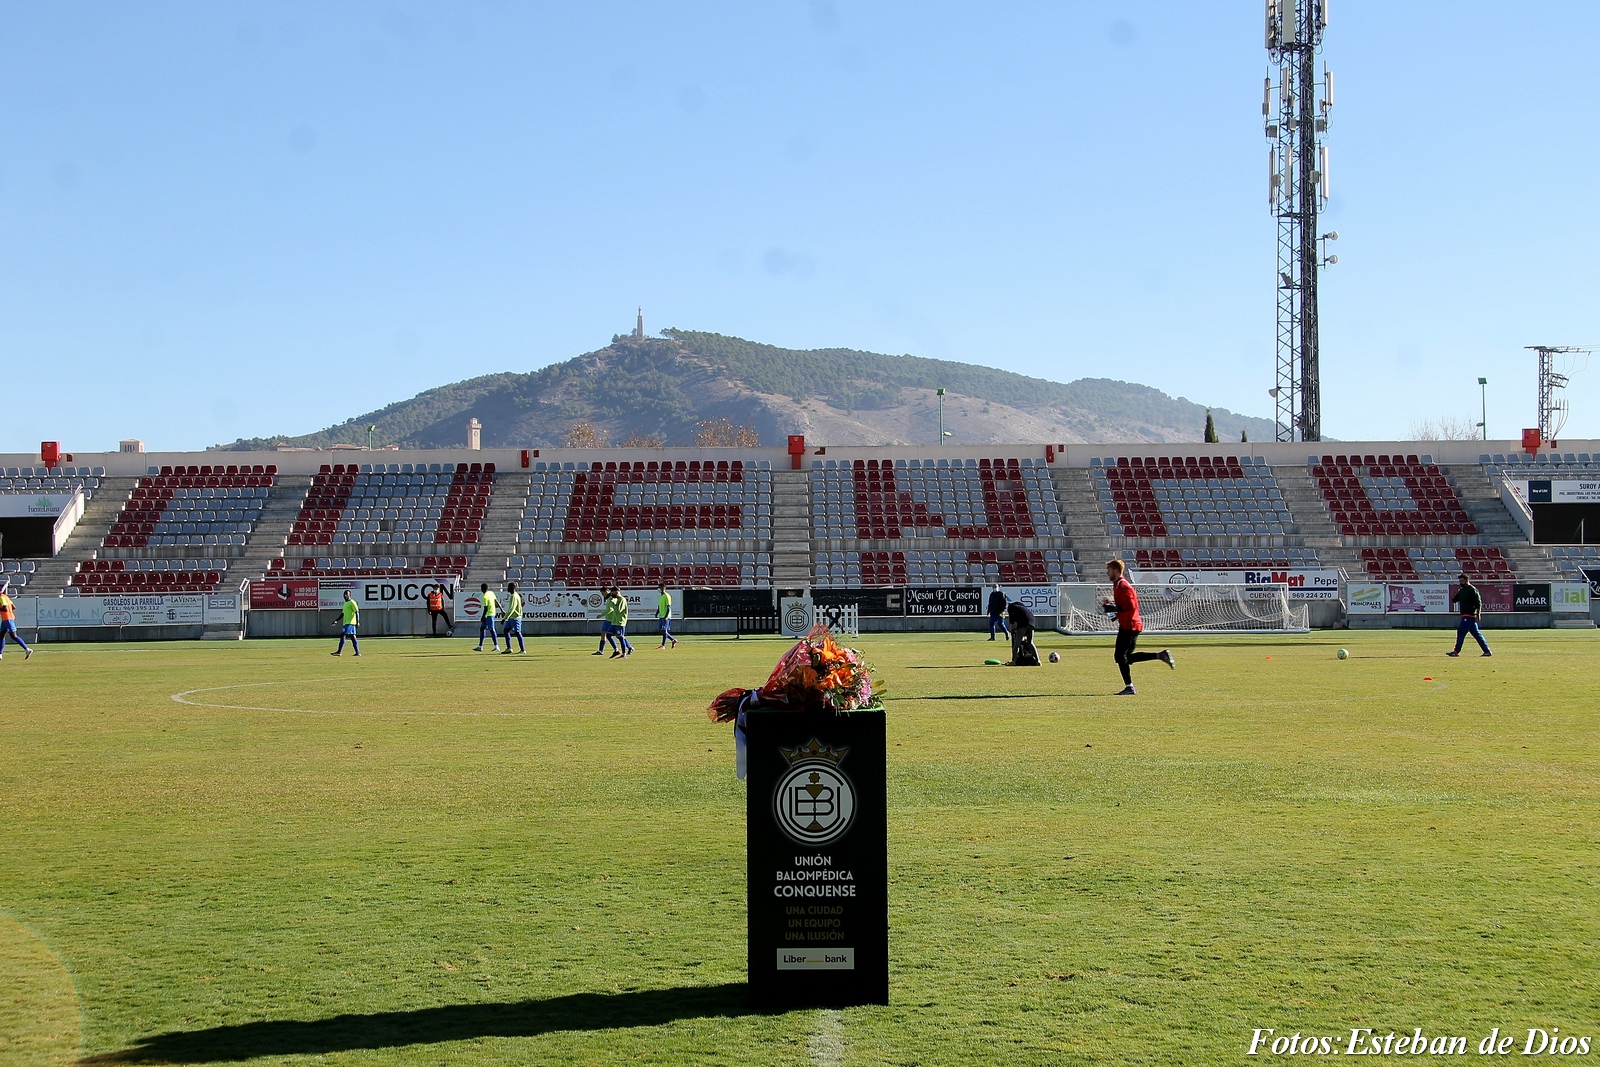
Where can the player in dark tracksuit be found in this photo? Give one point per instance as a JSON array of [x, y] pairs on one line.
[[1470, 601], [1125, 606], [997, 614]]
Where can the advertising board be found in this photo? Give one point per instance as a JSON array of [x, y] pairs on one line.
[[1550, 491], [944, 600], [1302, 583], [180, 609], [1422, 597], [35, 505], [369, 593], [290, 593], [1366, 598], [875, 602], [1039, 599]]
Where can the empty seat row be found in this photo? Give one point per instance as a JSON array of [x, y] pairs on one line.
[[382, 507], [1224, 558], [1190, 496], [648, 502], [977, 499], [928, 567]]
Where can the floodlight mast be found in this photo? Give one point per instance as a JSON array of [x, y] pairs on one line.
[[1553, 408], [1296, 112]]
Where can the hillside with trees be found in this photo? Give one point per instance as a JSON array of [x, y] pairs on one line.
[[668, 389]]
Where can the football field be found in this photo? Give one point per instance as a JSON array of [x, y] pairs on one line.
[[256, 853]]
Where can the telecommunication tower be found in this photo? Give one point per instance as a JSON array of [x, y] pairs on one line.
[[1296, 111], [1553, 408]]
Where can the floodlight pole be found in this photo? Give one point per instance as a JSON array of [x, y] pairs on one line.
[[1483, 400], [1297, 190], [1553, 409], [941, 416]]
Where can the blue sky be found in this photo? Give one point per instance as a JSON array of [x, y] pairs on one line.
[[230, 219]]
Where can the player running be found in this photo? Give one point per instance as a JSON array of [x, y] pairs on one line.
[[491, 607], [513, 623], [616, 610], [1125, 606], [664, 619], [349, 612], [8, 621]]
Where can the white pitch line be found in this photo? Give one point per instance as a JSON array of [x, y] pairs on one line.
[[183, 698], [825, 1046]]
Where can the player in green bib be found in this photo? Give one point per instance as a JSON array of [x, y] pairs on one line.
[[513, 623], [491, 608], [664, 618], [348, 613], [616, 613]]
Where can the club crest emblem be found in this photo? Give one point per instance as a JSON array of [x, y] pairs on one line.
[[815, 802]]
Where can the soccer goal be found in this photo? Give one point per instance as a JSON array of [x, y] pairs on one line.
[[1186, 609]]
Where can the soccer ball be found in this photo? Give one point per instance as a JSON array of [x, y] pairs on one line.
[[1344, 653], [1055, 657]]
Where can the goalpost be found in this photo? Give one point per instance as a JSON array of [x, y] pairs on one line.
[[1186, 609]]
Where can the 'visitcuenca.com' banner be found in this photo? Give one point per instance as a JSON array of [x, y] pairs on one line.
[[570, 605]]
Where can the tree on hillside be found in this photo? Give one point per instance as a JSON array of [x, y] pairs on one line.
[[585, 435], [1211, 429], [640, 439], [1244, 437], [722, 432]]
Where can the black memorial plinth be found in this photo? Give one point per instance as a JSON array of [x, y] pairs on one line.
[[817, 852]]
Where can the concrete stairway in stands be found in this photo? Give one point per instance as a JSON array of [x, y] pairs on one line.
[[1496, 526], [1315, 523], [271, 535], [52, 575], [497, 540], [791, 529], [1085, 527]]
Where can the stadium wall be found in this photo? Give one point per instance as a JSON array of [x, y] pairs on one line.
[[135, 464]]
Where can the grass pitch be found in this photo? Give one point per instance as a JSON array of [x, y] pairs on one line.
[[431, 856]]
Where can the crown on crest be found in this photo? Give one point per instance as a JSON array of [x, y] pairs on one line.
[[814, 750]]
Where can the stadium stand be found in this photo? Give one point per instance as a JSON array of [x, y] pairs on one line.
[[1027, 567], [1190, 496], [1170, 559], [51, 480], [641, 570], [647, 501], [18, 572], [1573, 561], [1542, 464], [394, 504], [366, 567], [878, 500], [121, 577], [1437, 564], [1390, 496], [196, 506]]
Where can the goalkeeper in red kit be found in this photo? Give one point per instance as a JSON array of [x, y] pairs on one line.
[[1124, 604]]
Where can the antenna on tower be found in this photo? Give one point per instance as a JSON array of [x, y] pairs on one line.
[[1298, 187], [1553, 407]]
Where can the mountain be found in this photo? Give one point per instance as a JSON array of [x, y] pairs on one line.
[[662, 386]]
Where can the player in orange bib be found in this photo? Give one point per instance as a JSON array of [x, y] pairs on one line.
[[8, 622]]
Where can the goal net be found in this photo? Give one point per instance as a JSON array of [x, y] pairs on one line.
[[1186, 609]]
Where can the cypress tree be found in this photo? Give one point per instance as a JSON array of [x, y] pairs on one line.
[[1211, 429]]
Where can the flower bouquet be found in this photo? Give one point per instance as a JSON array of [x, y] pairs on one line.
[[817, 674]]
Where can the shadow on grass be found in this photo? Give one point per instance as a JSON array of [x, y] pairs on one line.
[[453, 1022]]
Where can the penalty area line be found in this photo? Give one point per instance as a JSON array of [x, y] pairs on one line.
[[183, 698]]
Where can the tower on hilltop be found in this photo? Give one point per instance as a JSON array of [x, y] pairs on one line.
[[638, 329]]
